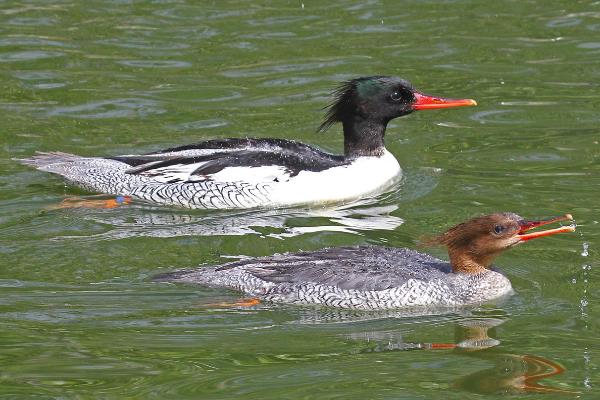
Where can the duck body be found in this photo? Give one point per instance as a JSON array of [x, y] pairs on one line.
[[247, 173], [361, 277], [230, 173], [377, 277]]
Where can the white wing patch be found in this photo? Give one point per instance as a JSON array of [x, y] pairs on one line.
[[267, 173], [174, 173], [183, 173]]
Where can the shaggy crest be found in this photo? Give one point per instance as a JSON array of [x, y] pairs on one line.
[[346, 94]]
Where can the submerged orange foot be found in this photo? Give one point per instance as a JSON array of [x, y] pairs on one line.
[[442, 346], [76, 202], [249, 302]]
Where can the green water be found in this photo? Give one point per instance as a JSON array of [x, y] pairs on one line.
[[79, 318]]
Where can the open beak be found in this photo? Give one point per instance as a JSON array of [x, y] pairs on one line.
[[425, 102], [529, 225]]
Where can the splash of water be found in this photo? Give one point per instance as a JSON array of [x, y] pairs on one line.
[[584, 252], [583, 307]]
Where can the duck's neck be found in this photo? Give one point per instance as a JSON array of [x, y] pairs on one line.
[[465, 263], [363, 137]]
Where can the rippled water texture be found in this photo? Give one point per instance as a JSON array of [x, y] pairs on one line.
[[79, 317]]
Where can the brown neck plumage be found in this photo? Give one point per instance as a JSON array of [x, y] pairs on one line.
[[468, 263]]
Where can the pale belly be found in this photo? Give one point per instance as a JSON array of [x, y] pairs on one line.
[[366, 176]]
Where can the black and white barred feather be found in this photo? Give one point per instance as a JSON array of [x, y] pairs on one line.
[[363, 277], [228, 173], [113, 177]]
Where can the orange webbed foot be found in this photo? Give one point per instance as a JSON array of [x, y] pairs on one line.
[[76, 202], [245, 302]]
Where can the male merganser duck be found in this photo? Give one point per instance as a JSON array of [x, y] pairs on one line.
[[376, 277], [245, 173]]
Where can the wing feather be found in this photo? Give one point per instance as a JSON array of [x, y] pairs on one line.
[[232, 159], [360, 268]]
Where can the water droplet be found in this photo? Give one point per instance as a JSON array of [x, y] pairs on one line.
[[586, 355], [585, 252]]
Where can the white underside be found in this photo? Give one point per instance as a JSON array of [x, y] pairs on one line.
[[365, 176], [186, 185]]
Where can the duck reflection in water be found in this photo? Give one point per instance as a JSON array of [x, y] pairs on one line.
[[509, 374], [145, 221]]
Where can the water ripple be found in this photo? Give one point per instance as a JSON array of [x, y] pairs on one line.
[[199, 94], [498, 117], [202, 124], [290, 81], [426, 52], [41, 80], [144, 44], [29, 55], [155, 63], [25, 21], [32, 41], [270, 35], [280, 68], [201, 13], [280, 20], [117, 108], [380, 28], [572, 19], [36, 75]]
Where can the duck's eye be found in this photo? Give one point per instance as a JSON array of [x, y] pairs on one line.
[[396, 96], [499, 229]]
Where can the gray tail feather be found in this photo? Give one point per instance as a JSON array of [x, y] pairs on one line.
[[43, 160], [175, 276]]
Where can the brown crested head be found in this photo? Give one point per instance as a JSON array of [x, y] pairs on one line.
[[472, 245]]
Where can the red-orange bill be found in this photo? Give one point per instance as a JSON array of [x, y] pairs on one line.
[[528, 225], [425, 102]]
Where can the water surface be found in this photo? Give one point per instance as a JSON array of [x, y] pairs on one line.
[[79, 317]]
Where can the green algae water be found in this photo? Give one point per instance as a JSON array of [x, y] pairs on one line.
[[79, 316]]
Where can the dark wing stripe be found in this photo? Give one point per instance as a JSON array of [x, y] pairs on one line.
[[294, 157], [241, 144], [171, 161]]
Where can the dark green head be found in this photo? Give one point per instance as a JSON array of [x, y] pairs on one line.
[[365, 106], [379, 98]]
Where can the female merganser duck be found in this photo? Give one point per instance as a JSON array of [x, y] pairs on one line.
[[376, 277], [245, 173]]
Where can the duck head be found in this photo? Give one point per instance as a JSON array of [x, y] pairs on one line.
[[365, 105], [472, 245]]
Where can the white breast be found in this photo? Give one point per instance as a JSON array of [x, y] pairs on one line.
[[365, 176]]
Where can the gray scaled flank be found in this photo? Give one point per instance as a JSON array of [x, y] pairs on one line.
[[363, 277]]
